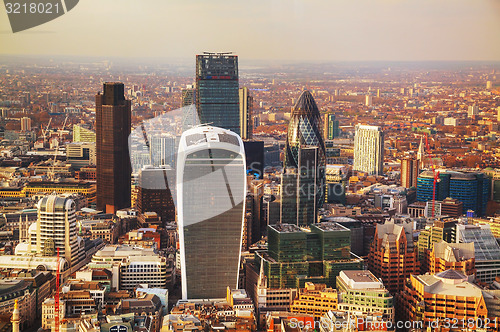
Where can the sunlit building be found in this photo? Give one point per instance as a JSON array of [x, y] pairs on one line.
[[211, 191]]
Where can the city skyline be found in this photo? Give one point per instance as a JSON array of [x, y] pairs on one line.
[[277, 30]]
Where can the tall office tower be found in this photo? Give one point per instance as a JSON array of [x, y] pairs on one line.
[[409, 172], [25, 124], [246, 110], [188, 104], [330, 127], [303, 179], [369, 149], [217, 98], [488, 85], [55, 228], [211, 194], [113, 113], [81, 134], [154, 194], [393, 256], [498, 113]]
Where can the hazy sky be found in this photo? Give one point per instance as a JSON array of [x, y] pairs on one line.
[[326, 30]]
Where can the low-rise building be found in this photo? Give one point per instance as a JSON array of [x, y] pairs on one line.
[[315, 300], [361, 291]]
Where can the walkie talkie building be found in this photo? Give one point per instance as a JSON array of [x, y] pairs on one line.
[[211, 190]]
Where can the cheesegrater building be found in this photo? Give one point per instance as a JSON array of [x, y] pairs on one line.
[[211, 191]]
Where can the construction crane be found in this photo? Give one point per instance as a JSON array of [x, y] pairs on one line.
[[61, 131], [44, 132], [434, 174], [56, 297]]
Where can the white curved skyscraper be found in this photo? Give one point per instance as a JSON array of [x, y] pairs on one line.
[[211, 189]]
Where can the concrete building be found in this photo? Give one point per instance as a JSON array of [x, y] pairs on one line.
[[445, 256], [369, 150], [393, 255], [315, 299], [361, 291], [448, 294]]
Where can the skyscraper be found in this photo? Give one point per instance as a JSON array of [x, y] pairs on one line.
[[211, 192], [55, 228], [303, 181], [369, 149], [113, 114], [246, 108], [217, 98]]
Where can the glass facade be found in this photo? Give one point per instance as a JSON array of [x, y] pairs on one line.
[[211, 192], [303, 182], [217, 90], [472, 189], [296, 256], [113, 124]]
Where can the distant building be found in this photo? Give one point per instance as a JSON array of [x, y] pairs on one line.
[[470, 188], [82, 134], [217, 99], [409, 172], [330, 127], [81, 154], [246, 112], [25, 124], [473, 111], [369, 150]]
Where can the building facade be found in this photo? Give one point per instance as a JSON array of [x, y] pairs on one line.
[[393, 256], [113, 124], [211, 195], [303, 178], [369, 149], [217, 97]]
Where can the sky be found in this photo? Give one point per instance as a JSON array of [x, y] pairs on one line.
[[292, 30]]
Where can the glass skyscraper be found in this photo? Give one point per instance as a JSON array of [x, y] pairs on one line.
[[217, 90], [303, 181], [211, 191]]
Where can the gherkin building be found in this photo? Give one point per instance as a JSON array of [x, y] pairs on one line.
[[303, 182]]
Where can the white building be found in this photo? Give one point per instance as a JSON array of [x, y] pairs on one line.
[[55, 228], [369, 149]]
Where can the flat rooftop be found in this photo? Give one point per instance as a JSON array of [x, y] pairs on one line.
[[361, 276]]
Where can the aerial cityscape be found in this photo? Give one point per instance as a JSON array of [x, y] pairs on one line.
[[217, 190]]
